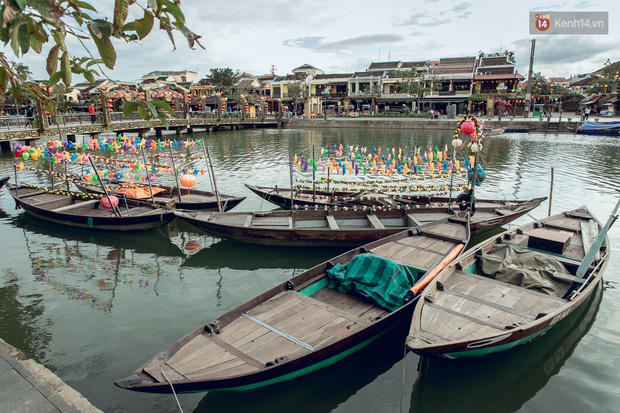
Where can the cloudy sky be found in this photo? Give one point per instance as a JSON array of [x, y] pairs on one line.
[[340, 37]]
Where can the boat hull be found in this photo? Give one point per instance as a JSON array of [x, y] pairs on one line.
[[312, 229], [480, 305], [102, 220]]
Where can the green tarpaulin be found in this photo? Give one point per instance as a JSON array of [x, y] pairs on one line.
[[385, 281]]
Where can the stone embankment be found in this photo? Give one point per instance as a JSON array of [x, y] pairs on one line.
[[514, 125]]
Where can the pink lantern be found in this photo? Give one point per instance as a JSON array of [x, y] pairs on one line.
[[188, 180], [468, 127], [109, 202]]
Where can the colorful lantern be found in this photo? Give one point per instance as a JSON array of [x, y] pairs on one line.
[[188, 180], [109, 202], [468, 128]]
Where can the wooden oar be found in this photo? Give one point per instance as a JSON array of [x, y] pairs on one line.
[[596, 245]]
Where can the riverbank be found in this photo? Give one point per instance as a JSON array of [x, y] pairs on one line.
[[27, 386], [518, 125]]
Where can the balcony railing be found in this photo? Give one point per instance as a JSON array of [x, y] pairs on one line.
[[457, 93]]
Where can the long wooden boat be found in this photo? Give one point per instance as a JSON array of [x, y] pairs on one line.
[[191, 199], [303, 325], [69, 209], [4, 181], [282, 197], [494, 131], [500, 294], [599, 128], [320, 228]]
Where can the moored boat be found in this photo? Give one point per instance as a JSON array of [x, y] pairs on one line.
[[511, 288], [307, 323], [282, 197], [75, 210], [190, 199], [4, 181], [599, 128], [351, 227]]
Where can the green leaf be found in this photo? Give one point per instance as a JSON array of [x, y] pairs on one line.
[[152, 108], [65, 69], [3, 78], [121, 10], [163, 105], [102, 29], [144, 25], [105, 48], [24, 41], [143, 113], [36, 45], [169, 31], [21, 3], [88, 75], [59, 38], [176, 12], [84, 5], [52, 60], [129, 108], [54, 78]]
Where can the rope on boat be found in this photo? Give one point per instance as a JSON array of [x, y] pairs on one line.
[[173, 392]]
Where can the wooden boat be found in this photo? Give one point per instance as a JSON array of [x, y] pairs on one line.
[[67, 208], [282, 197], [497, 296], [191, 199], [302, 325], [4, 181], [345, 228], [494, 131], [599, 128]]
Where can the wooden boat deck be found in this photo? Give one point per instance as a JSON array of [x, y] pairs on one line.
[[469, 305], [288, 325], [292, 323]]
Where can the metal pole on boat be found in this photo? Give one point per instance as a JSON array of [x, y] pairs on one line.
[[176, 175], [15, 168], [208, 168], [67, 177], [596, 245], [217, 193], [550, 193], [290, 162], [148, 175], [473, 184], [313, 182], [451, 173], [117, 212]]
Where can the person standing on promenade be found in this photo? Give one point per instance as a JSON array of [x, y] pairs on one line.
[[91, 111], [587, 114]]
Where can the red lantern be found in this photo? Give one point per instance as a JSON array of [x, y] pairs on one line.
[[109, 202], [18, 153], [109, 100], [468, 127], [188, 180]]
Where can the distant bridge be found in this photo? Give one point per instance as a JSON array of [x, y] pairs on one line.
[[20, 128]]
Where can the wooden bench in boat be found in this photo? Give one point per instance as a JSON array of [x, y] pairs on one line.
[[76, 205], [467, 303], [374, 221], [332, 222], [283, 327]]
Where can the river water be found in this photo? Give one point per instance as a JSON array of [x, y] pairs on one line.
[[94, 306]]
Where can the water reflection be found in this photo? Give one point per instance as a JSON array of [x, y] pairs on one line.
[[22, 320], [502, 382], [89, 267]]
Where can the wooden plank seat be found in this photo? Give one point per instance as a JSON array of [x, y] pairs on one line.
[[332, 222], [375, 222], [77, 205]]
